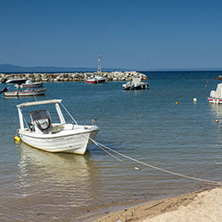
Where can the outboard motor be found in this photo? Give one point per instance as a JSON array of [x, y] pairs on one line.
[[4, 90]]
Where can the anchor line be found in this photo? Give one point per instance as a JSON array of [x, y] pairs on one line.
[[105, 148], [100, 146]]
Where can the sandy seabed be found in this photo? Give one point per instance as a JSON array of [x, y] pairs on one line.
[[199, 206]]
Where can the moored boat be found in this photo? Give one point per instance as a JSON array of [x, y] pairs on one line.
[[216, 96], [96, 79], [135, 84], [15, 81], [27, 92], [44, 134], [29, 84]]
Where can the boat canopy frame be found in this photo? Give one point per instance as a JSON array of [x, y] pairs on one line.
[[39, 103], [43, 102]]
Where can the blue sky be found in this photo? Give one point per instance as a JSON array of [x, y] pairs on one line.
[[132, 34]]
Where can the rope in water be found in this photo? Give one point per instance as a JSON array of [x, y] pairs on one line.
[[105, 148]]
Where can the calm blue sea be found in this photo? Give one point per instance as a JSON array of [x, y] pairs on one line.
[[147, 125]]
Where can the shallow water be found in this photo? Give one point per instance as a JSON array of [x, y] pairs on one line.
[[146, 125]]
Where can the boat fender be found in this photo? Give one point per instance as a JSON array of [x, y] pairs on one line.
[[16, 138]]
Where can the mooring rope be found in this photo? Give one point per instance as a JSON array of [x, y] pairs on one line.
[[103, 147], [100, 146]]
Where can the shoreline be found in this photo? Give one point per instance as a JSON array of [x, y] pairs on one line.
[[201, 205]]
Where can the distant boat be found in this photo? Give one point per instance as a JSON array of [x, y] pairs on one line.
[[44, 134], [96, 79], [27, 92], [216, 96], [15, 81], [29, 84], [135, 84]]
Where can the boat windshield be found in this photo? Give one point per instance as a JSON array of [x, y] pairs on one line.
[[41, 119]]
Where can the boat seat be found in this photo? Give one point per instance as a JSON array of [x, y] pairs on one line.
[[31, 126], [41, 120]]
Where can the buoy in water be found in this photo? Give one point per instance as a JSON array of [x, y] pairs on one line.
[[194, 100], [16, 138], [176, 102], [217, 121]]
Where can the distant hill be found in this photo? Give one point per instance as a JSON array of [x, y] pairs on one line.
[[183, 70], [8, 68]]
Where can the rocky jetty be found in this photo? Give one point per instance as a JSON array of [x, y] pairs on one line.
[[77, 76]]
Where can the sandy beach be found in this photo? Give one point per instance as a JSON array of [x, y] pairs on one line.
[[201, 206]]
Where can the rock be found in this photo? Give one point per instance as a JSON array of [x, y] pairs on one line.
[[45, 77]]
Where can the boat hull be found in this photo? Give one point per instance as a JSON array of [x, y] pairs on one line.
[[72, 143], [95, 81], [215, 100], [15, 81], [132, 87], [21, 93], [34, 85]]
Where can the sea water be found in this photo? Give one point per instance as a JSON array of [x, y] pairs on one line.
[[161, 126]]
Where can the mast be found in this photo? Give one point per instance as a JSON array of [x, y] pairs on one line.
[[99, 70]]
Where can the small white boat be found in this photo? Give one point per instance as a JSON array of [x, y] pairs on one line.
[[135, 84], [29, 84], [59, 136], [96, 79], [27, 92], [15, 81], [216, 96]]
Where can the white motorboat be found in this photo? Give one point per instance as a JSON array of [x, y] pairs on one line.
[[15, 81], [59, 136], [135, 84], [216, 96], [96, 79], [29, 84]]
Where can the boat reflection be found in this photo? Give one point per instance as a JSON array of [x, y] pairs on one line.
[[216, 110], [216, 118], [57, 175]]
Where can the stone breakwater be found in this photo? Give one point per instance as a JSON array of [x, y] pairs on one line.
[[76, 76]]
